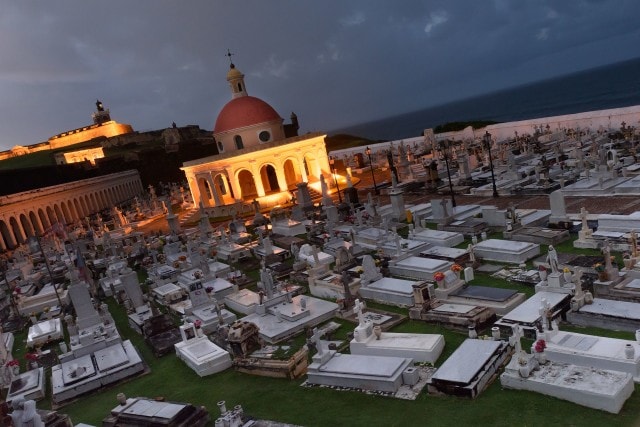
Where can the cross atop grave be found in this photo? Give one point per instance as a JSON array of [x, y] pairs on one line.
[[583, 217], [316, 338]]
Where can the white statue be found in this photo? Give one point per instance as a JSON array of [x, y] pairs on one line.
[[552, 259], [472, 255]]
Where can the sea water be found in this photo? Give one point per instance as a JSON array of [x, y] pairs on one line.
[[601, 88]]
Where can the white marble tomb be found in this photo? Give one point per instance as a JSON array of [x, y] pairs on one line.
[[506, 251], [418, 268]]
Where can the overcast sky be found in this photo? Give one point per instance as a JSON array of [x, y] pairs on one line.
[[333, 62]]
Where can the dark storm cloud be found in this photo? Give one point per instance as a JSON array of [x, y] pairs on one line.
[[333, 63]]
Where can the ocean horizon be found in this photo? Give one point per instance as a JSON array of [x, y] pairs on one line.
[[610, 86]]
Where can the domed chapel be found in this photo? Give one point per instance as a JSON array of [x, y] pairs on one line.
[[259, 157]]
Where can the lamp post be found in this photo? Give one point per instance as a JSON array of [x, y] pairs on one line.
[[375, 186], [332, 162], [487, 144], [444, 148]]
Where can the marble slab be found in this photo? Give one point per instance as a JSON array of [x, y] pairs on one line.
[[594, 388], [594, 351], [466, 362], [507, 251], [439, 237], [377, 373], [529, 311], [43, 332], [419, 268], [390, 290], [425, 348]]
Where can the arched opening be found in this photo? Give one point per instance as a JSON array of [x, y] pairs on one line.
[[223, 188], [83, 204], [311, 168], [26, 226], [52, 216], [291, 174], [66, 214], [43, 219], [79, 212], [247, 185], [15, 228], [238, 140], [269, 179], [58, 212], [34, 223], [6, 235], [206, 196]]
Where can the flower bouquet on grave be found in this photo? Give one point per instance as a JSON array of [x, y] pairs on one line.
[[13, 366], [542, 272], [438, 277], [566, 272], [601, 270], [456, 268], [32, 360], [538, 349]]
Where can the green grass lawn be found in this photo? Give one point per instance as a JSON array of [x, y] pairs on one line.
[[285, 401]]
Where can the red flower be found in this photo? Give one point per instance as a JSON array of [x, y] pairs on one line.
[[31, 357], [540, 346], [439, 276], [13, 362]]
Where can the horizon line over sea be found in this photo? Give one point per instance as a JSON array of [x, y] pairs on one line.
[[610, 86]]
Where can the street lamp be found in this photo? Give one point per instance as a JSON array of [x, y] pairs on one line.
[[444, 147], [332, 162], [375, 186], [487, 144]]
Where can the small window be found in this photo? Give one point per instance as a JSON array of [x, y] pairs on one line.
[[238, 140], [220, 147], [264, 136], [239, 87]]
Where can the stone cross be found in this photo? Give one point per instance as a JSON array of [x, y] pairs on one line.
[[578, 283], [316, 338], [357, 308], [583, 217]]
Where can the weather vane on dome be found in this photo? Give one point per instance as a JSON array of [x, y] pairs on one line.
[[229, 54]]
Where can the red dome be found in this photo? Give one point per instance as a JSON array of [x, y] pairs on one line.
[[244, 111]]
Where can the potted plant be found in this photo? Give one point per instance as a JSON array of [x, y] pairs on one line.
[[567, 274], [439, 278], [456, 268], [601, 270], [538, 349]]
